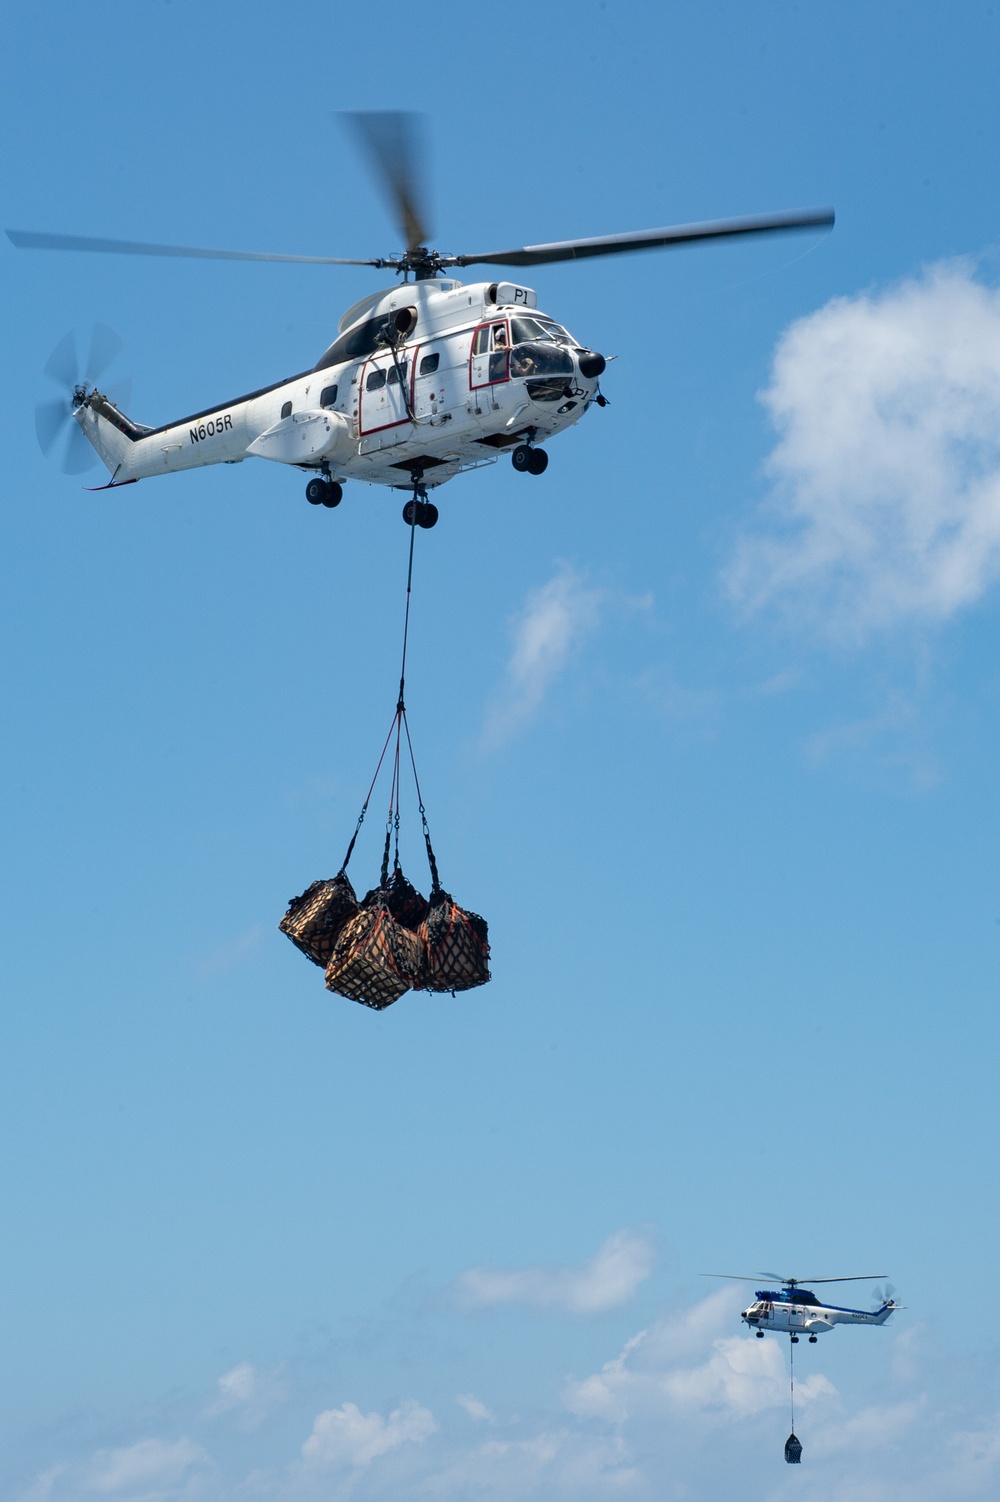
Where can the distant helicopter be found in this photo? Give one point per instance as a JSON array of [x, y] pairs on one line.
[[424, 380], [796, 1308]]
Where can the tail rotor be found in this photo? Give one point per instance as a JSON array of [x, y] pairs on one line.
[[55, 427]]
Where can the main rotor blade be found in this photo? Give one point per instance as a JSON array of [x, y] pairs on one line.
[[649, 239], [799, 1282], [733, 1277], [393, 141], [26, 239]]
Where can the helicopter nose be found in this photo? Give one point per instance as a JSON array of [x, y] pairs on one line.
[[592, 364]]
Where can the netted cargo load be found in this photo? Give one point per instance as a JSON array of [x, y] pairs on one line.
[[395, 939], [408, 906], [456, 944], [315, 919], [376, 959]]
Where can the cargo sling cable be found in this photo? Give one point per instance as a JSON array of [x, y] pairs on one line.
[[793, 1446], [399, 725]]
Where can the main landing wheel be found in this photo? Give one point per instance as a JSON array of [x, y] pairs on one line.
[[324, 493], [420, 514], [795, 1340], [813, 1339]]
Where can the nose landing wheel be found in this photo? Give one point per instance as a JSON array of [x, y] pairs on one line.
[[759, 1334], [528, 460]]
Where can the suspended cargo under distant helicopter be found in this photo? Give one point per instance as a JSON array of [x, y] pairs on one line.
[[424, 380]]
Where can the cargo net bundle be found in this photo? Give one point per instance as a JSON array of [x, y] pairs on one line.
[[394, 940]]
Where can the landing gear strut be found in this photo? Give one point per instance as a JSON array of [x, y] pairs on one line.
[[324, 492], [528, 460]]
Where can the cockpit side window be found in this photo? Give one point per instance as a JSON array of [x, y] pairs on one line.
[[524, 329], [539, 327]]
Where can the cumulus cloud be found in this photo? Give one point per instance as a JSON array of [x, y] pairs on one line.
[[144, 1468], [611, 1278], [249, 1393], [347, 1437], [557, 1462], [886, 502], [653, 1373], [556, 619], [474, 1408], [688, 1407]]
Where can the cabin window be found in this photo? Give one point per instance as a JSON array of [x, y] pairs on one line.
[[394, 376], [286, 410], [375, 381], [430, 363], [329, 397], [364, 338]]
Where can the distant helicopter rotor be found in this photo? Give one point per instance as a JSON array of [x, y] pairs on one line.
[[794, 1282]]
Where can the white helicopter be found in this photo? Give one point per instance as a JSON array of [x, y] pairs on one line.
[[424, 381], [796, 1308]]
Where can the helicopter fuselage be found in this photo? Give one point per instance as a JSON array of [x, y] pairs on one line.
[[423, 382], [798, 1312]]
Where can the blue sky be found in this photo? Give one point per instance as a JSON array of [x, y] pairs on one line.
[[706, 720]]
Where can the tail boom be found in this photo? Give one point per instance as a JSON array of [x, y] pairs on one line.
[[134, 452]]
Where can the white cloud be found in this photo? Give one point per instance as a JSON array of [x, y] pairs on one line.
[[886, 506], [347, 1437], [474, 1408], [740, 1376], [876, 1427], [610, 1279], [248, 1392], [145, 1467], [237, 1386], [552, 1463], [555, 620]]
